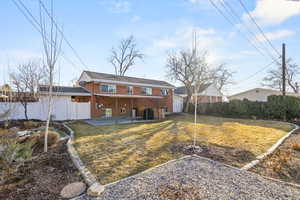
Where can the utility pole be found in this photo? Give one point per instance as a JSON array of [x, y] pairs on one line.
[[283, 70]]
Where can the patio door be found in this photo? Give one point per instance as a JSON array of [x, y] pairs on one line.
[[108, 112]]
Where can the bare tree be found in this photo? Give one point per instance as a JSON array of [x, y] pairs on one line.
[[26, 81], [124, 56], [274, 77], [223, 76], [52, 41], [7, 107], [191, 69]]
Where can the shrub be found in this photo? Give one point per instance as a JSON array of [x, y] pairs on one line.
[[12, 155], [278, 160], [296, 147], [31, 124], [276, 108], [38, 139]]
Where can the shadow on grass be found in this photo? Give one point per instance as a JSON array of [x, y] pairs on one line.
[[219, 121]]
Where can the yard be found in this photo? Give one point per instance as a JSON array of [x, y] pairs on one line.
[[118, 151]]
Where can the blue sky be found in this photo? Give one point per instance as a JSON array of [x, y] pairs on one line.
[[94, 26]]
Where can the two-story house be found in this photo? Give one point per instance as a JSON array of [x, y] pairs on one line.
[[122, 96]]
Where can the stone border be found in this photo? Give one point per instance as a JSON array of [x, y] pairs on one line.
[[270, 150], [95, 188]]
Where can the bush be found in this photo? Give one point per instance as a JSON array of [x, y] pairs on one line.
[[276, 108], [31, 124], [38, 139], [296, 147], [12, 155]]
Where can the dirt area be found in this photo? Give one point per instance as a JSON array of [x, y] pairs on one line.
[[118, 151], [44, 176], [284, 163]]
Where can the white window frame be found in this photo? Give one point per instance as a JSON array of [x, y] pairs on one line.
[[148, 91], [166, 93], [109, 86], [131, 88]]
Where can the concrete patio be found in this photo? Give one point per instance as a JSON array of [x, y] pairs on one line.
[[112, 121]]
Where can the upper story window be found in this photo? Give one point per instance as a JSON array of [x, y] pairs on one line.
[[108, 88], [130, 90], [147, 91], [164, 92]]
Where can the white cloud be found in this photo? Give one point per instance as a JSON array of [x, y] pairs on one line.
[[274, 12], [116, 6], [182, 38], [135, 19], [275, 35]]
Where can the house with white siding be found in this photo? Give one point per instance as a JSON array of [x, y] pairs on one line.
[[207, 93], [258, 94]]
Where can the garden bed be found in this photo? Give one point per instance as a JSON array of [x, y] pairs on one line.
[[118, 151], [44, 176], [284, 163]]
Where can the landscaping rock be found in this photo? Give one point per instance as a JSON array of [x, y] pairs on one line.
[[191, 149], [23, 133], [73, 190], [13, 130], [95, 190]]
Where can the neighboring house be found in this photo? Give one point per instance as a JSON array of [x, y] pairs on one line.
[[258, 94], [17, 97], [123, 96], [207, 93]]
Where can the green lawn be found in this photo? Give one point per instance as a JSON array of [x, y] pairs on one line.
[[117, 151]]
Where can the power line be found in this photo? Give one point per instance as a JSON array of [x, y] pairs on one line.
[[33, 21], [259, 28], [234, 14], [224, 15], [63, 35], [254, 74]]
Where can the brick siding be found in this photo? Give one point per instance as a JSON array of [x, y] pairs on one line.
[[99, 103]]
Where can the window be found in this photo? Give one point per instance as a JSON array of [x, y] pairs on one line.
[[108, 88], [73, 99], [130, 90], [123, 110], [147, 91], [164, 92]]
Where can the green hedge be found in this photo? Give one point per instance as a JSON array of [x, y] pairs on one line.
[[276, 108]]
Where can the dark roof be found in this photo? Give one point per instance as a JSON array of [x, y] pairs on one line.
[[182, 90], [64, 89], [112, 77]]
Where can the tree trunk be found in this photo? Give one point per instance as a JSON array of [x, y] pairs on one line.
[[25, 111], [49, 113], [187, 103]]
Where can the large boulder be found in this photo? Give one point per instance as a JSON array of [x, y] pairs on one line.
[[95, 190], [73, 190]]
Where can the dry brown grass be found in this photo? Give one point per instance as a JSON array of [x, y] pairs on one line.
[[117, 151]]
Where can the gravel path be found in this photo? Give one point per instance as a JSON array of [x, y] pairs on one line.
[[202, 178]]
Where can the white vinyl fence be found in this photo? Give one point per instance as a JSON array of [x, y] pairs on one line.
[[177, 104], [63, 109]]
